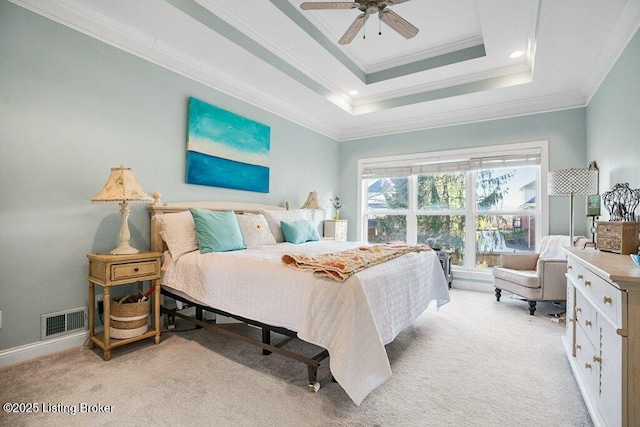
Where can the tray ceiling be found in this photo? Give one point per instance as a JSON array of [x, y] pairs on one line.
[[457, 69]]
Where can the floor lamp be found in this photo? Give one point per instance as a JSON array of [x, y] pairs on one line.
[[572, 182]]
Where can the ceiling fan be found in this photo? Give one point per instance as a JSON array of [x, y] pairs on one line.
[[368, 7]]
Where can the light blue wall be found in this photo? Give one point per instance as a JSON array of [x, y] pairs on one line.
[[565, 131], [71, 108], [613, 122]]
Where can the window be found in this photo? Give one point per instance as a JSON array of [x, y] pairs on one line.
[[475, 203]]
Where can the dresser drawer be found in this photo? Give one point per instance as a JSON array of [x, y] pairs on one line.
[[134, 270], [586, 319], [607, 298], [587, 368], [575, 271]]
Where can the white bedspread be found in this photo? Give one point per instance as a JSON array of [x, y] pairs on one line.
[[353, 320]]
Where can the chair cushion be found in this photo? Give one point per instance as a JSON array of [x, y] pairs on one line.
[[519, 261], [526, 278]]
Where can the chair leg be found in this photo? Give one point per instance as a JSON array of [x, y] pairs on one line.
[[498, 294], [532, 307]]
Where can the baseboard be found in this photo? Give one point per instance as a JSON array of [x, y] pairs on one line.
[[27, 352]]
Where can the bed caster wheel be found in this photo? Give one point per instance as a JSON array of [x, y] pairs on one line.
[[313, 388]]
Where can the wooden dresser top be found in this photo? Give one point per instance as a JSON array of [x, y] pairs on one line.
[[611, 266]]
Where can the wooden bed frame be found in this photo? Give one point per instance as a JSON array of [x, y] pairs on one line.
[[158, 245]]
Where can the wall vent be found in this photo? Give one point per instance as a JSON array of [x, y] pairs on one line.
[[63, 322]]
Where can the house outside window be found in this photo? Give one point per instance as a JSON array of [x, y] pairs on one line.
[[477, 204]]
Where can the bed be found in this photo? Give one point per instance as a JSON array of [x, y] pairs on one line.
[[352, 320]]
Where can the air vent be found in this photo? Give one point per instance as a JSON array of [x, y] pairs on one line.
[[63, 322]]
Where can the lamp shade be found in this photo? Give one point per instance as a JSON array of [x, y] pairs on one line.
[[577, 182], [122, 185], [314, 202]]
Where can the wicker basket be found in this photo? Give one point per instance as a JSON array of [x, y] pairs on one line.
[[129, 317]]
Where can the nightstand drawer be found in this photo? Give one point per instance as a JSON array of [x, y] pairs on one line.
[[134, 270]]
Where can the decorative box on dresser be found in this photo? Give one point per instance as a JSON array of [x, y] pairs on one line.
[[617, 236], [603, 334], [336, 229]]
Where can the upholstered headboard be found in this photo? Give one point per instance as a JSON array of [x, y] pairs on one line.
[[159, 208]]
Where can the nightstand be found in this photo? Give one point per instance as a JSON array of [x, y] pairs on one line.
[[335, 229], [112, 270]]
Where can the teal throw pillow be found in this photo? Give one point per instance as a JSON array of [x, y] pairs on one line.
[[299, 231], [217, 231]]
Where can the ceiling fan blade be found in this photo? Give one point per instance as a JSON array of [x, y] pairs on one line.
[[354, 28], [316, 5], [398, 23], [392, 2]]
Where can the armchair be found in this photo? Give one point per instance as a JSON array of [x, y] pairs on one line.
[[535, 276]]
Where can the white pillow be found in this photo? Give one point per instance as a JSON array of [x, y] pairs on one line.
[[255, 230], [179, 233], [274, 217]]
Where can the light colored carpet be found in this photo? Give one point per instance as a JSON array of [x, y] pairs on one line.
[[475, 362]]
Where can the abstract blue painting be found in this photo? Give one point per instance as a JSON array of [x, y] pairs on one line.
[[226, 150]]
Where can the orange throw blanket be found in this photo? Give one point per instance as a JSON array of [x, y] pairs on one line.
[[342, 265]]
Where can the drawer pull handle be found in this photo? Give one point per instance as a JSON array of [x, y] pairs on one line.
[[578, 310], [569, 267], [597, 359], [580, 277], [136, 269], [587, 322], [607, 300], [587, 282], [587, 365]]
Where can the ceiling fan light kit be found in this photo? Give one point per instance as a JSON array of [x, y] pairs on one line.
[[368, 7]]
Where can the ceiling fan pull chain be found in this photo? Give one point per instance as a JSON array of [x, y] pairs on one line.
[[364, 30], [379, 25]]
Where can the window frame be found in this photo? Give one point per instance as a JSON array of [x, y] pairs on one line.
[[471, 212]]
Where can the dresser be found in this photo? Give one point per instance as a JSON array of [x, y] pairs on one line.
[[335, 229], [602, 338]]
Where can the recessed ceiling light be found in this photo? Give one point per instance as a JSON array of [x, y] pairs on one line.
[[353, 92], [516, 54]]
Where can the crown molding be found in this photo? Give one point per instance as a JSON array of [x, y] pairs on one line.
[[442, 84], [507, 109], [422, 55], [76, 15], [624, 30]]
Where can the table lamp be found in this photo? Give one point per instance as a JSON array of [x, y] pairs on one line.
[[314, 201], [122, 186]]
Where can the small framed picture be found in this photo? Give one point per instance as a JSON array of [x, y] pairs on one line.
[[593, 205]]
